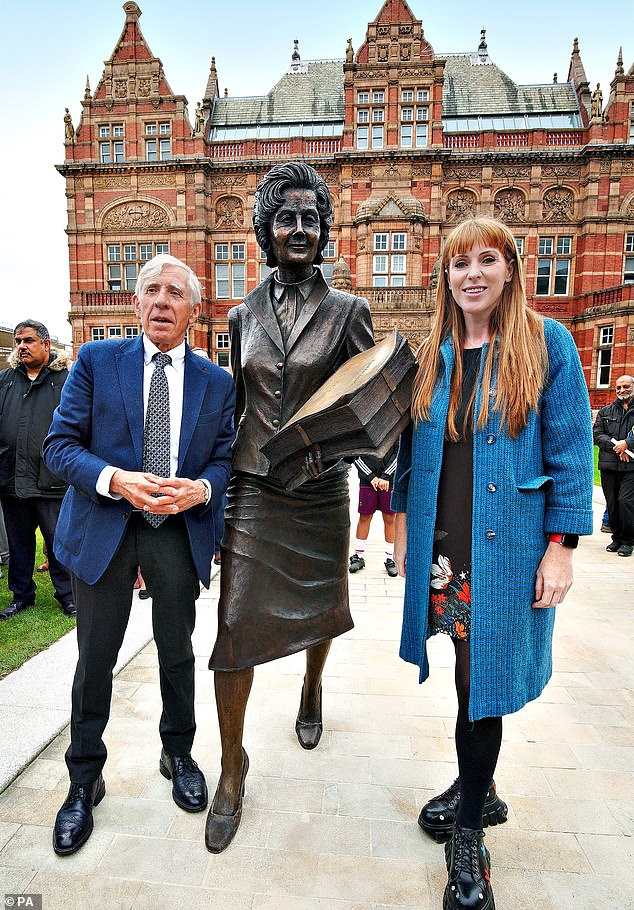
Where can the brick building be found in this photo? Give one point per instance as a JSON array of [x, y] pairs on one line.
[[408, 142]]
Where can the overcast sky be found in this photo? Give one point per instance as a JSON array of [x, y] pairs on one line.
[[48, 48]]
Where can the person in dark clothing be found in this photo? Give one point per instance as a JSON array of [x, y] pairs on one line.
[[375, 489], [613, 425], [31, 495]]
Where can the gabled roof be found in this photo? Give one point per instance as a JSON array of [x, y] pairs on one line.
[[471, 88], [314, 94]]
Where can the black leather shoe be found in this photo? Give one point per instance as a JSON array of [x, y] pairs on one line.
[[69, 609], [625, 549], [189, 789], [438, 816], [220, 830], [613, 547], [15, 607], [390, 567], [308, 732], [468, 865], [73, 824]]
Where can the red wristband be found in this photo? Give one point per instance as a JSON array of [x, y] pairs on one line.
[[555, 538]]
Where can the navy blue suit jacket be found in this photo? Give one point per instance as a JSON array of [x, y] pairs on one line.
[[99, 422]]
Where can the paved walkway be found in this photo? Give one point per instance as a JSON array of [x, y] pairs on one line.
[[336, 829]]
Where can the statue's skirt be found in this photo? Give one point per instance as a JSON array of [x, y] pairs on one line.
[[284, 569]]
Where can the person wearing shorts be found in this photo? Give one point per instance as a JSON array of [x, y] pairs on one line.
[[375, 488]]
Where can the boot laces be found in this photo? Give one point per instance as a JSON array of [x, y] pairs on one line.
[[465, 855]]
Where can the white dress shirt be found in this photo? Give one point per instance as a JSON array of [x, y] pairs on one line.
[[175, 375]]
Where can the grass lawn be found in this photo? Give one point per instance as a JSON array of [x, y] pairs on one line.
[[34, 629]]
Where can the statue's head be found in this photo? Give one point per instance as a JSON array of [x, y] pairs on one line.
[[306, 188]]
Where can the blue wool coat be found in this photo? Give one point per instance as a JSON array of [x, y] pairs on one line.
[[523, 489]]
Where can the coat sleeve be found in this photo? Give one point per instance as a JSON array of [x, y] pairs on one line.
[[218, 468], [599, 432], [566, 437], [403, 468], [360, 334]]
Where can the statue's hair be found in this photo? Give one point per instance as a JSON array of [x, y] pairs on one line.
[[153, 268], [269, 196], [517, 339]]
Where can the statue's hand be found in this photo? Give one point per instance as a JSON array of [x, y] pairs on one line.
[[313, 463]]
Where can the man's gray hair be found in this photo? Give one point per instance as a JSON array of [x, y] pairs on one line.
[[153, 268], [38, 327]]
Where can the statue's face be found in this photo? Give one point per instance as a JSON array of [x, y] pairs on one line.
[[295, 229]]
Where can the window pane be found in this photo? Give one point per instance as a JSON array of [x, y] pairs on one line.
[[222, 340], [629, 243], [162, 248], [114, 277], [397, 281], [150, 150], [564, 246], [131, 331], [222, 282], [222, 251], [104, 131], [362, 137], [117, 129], [129, 252], [379, 264], [363, 98], [603, 367], [398, 263], [165, 129], [378, 97], [406, 135], [118, 151], [237, 251], [98, 333], [165, 149], [237, 289], [407, 94], [545, 246], [422, 94], [519, 243], [104, 152], [380, 241], [150, 129], [407, 113], [422, 113], [130, 277], [363, 116], [114, 331], [377, 115], [145, 251], [377, 137], [606, 334], [543, 276], [628, 270], [379, 281], [399, 241], [562, 268], [114, 252], [326, 271], [329, 250], [265, 271], [421, 136]]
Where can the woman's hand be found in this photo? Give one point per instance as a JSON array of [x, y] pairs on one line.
[[400, 542], [554, 576]]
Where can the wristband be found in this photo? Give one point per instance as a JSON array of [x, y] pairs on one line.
[[570, 541]]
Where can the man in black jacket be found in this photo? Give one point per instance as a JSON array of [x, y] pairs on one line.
[[30, 494], [612, 425]]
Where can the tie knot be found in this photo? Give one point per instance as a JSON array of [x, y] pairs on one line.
[[161, 360]]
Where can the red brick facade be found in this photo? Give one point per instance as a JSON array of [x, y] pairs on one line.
[[141, 178]]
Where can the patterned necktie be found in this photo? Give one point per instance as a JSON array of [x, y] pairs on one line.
[[156, 438]]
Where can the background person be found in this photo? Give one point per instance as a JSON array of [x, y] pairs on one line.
[[375, 486], [612, 425], [31, 495], [143, 436], [283, 577], [493, 485]]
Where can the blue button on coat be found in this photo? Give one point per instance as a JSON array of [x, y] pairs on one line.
[[543, 482]]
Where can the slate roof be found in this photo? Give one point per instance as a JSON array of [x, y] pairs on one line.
[[485, 89], [316, 95], [313, 94]]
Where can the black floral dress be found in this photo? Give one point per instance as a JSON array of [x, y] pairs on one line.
[[450, 582]]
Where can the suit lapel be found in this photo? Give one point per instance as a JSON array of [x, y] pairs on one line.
[[316, 296], [259, 302], [130, 368], [194, 386]]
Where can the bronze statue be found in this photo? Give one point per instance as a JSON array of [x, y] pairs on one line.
[[283, 585]]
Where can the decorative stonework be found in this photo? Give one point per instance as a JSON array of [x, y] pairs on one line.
[[458, 172], [229, 212], [421, 170], [461, 204], [628, 166], [425, 72], [144, 87], [120, 88], [112, 182], [509, 205], [130, 216], [629, 208], [558, 204], [362, 171], [512, 170], [229, 180], [561, 171], [157, 180]]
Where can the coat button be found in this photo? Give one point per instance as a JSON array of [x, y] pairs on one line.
[[491, 487], [278, 394], [280, 365], [276, 423], [490, 439], [490, 535]]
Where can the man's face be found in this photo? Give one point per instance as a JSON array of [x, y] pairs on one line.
[[165, 309], [32, 351], [295, 229], [624, 388]]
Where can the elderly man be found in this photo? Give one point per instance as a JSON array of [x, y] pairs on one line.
[[143, 436], [611, 428], [30, 390]]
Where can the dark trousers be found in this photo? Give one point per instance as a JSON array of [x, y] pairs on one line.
[[22, 517], [618, 487], [103, 611]]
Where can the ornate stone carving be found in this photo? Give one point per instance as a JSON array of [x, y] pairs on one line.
[[372, 74], [461, 204], [382, 53], [421, 71], [383, 30], [558, 204], [144, 87], [462, 172], [112, 182], [363, 171], [157, 180], [512, 170], [120, 88], [129, 216], [421, 170], [628, 166], [630, 208], [228, 180], [392, 172], [606, 166], [509, 205], [561, 171], [406, 52], [229, 212], [407, 29]]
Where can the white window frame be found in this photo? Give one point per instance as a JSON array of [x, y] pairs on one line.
[[98, 333], [604, 356]]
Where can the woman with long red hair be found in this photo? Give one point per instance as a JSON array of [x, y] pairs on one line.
[[492, 489]]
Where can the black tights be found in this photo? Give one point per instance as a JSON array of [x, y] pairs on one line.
[[477, 745]]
